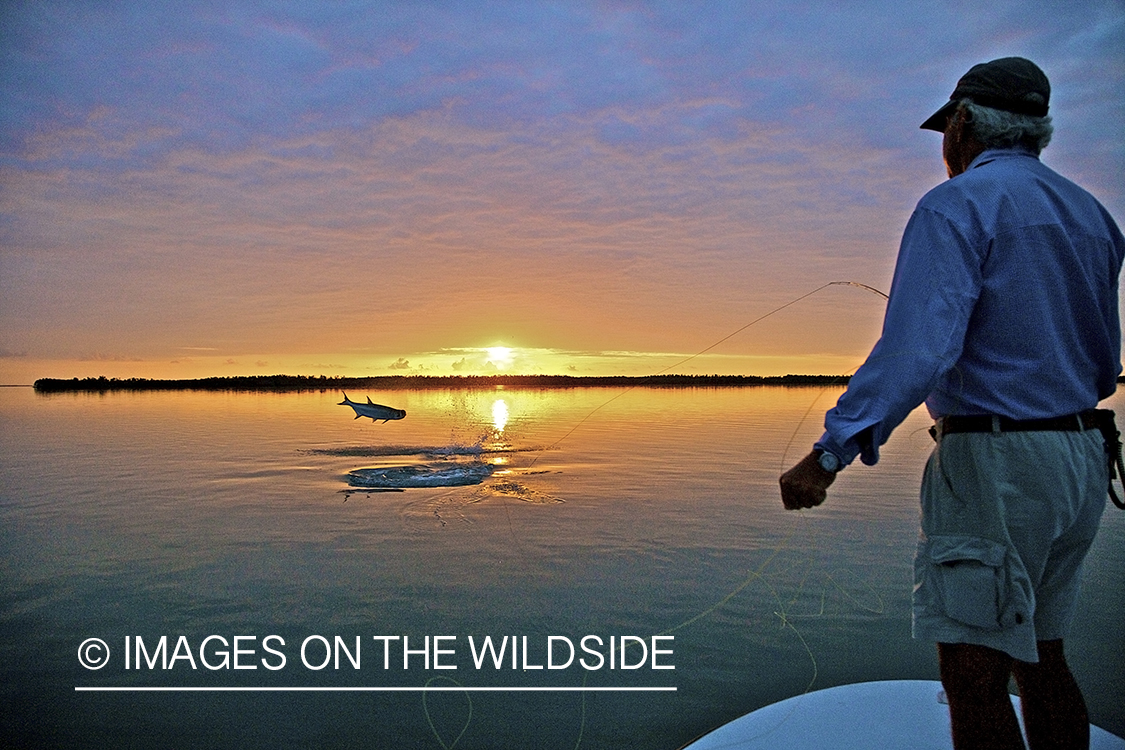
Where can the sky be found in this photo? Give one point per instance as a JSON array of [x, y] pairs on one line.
[[190, 189]]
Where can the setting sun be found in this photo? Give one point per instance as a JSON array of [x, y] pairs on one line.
[[500, 356]]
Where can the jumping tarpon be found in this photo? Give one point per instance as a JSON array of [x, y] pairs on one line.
[[375, 411]]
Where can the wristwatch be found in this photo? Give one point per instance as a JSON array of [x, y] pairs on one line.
[[828, 461]]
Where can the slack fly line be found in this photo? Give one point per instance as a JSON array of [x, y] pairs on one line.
[[730, 335]]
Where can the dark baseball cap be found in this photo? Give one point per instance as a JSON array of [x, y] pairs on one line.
[[1012, 84]]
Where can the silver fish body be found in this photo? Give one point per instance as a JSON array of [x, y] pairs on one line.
[[373, 410]]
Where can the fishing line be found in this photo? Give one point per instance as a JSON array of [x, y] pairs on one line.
[[771, 312], [430, 721], [782, 612], [801, 421], [700, 353], [757, 574]]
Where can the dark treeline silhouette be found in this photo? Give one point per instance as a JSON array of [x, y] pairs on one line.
[[415, 382]]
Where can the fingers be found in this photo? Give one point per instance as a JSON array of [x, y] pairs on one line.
[[798, 496], [805, 485]]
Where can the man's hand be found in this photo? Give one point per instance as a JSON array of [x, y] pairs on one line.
[[806, 484]]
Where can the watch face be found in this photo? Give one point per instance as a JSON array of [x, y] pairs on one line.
[[829, 462]]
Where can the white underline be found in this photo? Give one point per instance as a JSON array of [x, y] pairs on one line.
[[444, 688]]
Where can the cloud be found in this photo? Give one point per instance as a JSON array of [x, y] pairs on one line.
[[321, 366], [102, 357], [315, 178]]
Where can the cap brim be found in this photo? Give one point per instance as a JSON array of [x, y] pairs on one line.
[[939, 119]]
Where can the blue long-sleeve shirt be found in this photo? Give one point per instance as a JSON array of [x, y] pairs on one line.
[[1004, 301]]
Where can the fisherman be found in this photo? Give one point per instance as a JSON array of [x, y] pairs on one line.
[[1003, 319]]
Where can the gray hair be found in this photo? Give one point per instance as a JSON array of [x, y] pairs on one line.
[[996, 128]]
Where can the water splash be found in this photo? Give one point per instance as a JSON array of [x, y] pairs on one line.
[[421, 475]]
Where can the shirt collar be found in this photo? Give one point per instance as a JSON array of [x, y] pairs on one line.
[[993, 154]]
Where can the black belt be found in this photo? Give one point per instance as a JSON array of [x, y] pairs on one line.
[[1083, 420], [1101, 419]]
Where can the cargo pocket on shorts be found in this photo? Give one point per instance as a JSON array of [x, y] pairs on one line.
[[971, 581]]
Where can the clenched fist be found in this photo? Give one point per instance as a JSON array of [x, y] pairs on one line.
[[806, 484]]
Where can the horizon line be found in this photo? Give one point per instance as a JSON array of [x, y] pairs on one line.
[[398, 382]]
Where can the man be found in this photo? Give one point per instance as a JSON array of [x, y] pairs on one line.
[[1003, 318]]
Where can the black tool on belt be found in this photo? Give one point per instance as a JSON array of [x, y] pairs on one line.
[[1113, 450], [1100, 419]]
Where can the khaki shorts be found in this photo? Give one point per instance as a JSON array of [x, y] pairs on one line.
[[1007, 519]]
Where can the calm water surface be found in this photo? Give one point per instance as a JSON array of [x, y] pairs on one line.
[[191, 515]]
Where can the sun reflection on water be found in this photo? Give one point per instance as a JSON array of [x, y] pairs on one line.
[[499, 415]]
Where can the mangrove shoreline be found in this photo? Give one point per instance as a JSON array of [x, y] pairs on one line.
[[419, 382]]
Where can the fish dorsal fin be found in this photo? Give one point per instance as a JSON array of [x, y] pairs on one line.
[[370, 401]]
